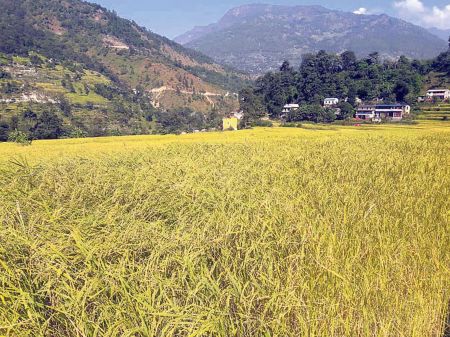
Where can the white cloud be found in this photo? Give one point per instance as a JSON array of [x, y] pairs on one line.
[[417, 12], [361, 11], [411, 6]]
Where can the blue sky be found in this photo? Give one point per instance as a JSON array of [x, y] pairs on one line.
[[173, 17]]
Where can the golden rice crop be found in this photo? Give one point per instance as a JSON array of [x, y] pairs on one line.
[[267, 232]]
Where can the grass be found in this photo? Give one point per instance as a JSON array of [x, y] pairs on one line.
[[266, 232], [21, 60]]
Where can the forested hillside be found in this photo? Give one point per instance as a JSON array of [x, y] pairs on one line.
[[48, 46], [344, 76]]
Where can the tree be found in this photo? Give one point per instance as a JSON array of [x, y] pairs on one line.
[[326, 115], [251, 105], [286, 67], [48, 126], [351, 96], [400, 90], [65, 106], [309, 112], [347, 110], [348, 60], [4, 131], [374, 58]]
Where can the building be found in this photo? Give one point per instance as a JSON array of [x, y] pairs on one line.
[[366, 112], [239, 115], [230, 123], [328, 102], [442, 94], [290, 107], [376, 113]]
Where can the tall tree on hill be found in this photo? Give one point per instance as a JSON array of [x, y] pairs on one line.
[[400, 90], [348, 60], [251, 105]]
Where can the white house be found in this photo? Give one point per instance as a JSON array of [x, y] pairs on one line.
[[290, 107], [330, 102], [442, 94], [376, 113]]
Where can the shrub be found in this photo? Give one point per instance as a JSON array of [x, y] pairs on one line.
[[19, 137], [77, 133], [291, 125], [262, 123]]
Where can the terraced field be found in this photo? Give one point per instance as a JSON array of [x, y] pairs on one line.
[[440, 111], [333, 231]]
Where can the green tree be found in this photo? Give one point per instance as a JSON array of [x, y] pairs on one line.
[[400, 90], [309, 112], [252, 105], [48, 126], [326, 115], [348, 60], [65, 106], [4, 131], [347, 110]]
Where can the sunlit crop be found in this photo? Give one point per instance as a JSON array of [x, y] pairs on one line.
[[327, 231]]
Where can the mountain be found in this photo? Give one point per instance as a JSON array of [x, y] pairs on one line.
[[441, 33], [131, 57], [258, 38]]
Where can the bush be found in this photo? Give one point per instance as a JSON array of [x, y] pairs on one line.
[[291, 125], [261, 123], [77, 133], [19, 137]]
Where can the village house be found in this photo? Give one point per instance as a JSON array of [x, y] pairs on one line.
[[329, 102], [442, 94], [376, 113], [231, 122], [290, 107]]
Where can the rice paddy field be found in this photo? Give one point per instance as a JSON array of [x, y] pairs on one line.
[[315, 231]]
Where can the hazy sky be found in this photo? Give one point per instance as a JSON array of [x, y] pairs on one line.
[[173, 17]]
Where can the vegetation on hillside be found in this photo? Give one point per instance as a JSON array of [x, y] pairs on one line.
[[280, 232], [77, 32], [343, 76], [47, 99]]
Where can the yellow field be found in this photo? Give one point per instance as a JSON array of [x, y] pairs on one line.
[[321, 231]]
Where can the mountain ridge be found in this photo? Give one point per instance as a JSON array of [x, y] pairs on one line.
[[259, 37], [441, 33]]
